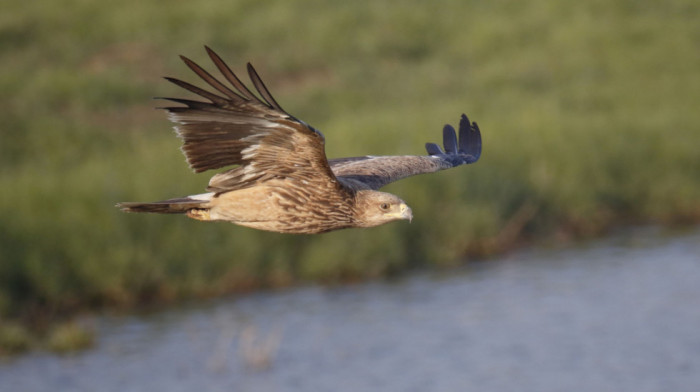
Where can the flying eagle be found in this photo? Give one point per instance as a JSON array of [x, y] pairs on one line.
[[283, 181]]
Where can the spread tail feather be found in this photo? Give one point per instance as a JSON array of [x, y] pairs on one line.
[[171, 206]]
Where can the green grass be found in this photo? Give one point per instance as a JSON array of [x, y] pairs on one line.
[[588, 112]]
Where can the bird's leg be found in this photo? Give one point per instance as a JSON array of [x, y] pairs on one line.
[[199, 214]]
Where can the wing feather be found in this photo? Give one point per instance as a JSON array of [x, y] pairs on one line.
[[260, 86], [469, 137], [449, 139], [201, 92], [229, 75], [377, 171], [207, 77], [433, 149], [239, 128]]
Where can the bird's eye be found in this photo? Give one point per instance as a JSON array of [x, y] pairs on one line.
[[384, 206]]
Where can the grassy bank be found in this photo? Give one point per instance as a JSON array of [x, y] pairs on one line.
[[588, 113]]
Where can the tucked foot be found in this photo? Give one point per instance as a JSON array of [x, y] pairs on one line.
[[199, 214]]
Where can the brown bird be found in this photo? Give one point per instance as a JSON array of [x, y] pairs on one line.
[[283, 181]]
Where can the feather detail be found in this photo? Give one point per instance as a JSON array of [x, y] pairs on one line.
[[375, 172], [240, 128]]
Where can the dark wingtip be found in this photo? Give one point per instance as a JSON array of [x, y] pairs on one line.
[[179, 83], [465, 134], [211, 53], [465, 149], [433, 149], [449, 139], [473, 141]]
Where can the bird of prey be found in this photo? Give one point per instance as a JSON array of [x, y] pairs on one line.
[[281, 180]]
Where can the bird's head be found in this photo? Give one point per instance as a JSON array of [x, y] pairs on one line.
[[374, 208]]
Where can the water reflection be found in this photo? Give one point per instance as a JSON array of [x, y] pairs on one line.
[[620, 314]]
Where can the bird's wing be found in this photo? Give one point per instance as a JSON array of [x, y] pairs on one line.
[[377, 171], [236, 127]]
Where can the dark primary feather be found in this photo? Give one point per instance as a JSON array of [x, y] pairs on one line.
[[449, 139], [260, 86], [433, 149], [375, 172], [469, 137]]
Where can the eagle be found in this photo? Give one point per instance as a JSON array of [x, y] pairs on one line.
[[281, 179]]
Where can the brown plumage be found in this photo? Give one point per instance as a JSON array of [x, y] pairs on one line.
[[282, 180]]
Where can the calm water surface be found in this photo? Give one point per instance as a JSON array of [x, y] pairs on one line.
[[621, 314]]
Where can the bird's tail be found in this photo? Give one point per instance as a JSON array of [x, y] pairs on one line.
[[172, 206]]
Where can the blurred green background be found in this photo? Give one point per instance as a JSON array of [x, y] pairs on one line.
[[589, 114]]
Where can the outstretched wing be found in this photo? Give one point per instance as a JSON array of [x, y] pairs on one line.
[[375, 172], [236, 127]]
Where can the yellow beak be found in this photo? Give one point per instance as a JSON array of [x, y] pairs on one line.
[[405, 212]]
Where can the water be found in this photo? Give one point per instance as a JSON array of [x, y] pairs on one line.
[[621, 314]]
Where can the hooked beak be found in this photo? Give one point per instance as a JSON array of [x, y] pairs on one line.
[[406, 212]]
